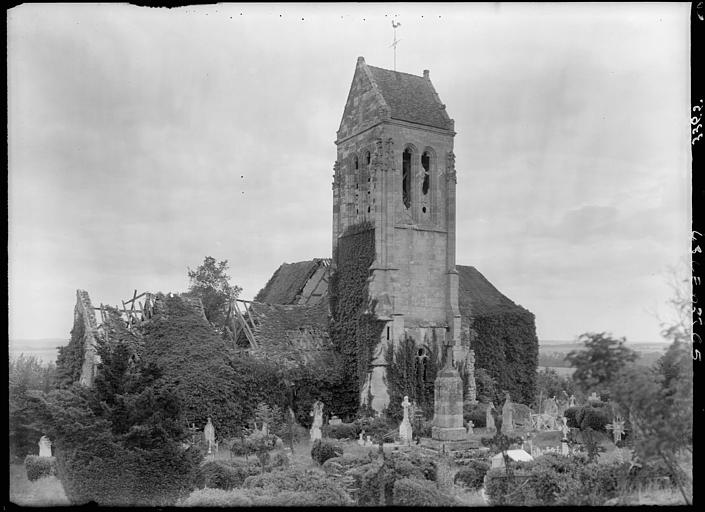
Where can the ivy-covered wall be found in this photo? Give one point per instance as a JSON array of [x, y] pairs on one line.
[[408, 375], [507, 347], [355, 330]]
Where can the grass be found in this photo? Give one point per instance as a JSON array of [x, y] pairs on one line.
[[45, 492]]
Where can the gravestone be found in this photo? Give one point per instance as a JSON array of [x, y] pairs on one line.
[[507, 411], [470, 427], [335, 420], [405, 432], [361, 441], [209, 435], [489, 419], [317, 413], [368, 441], [44, 447], [571, 401]]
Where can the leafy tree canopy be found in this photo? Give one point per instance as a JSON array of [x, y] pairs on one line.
[[211, 283], [597, 365]]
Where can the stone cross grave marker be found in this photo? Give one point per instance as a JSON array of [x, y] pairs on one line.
[[405, 432]]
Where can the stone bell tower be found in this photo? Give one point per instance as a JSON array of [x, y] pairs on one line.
[[395, 169]]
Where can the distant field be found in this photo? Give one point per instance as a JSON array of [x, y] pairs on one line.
[[552, 353]]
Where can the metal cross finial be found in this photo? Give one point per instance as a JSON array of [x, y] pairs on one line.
[[394, 44]]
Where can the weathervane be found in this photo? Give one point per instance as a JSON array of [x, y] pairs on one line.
[[394, 44]]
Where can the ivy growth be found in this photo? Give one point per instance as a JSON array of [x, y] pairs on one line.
[[355, 330]]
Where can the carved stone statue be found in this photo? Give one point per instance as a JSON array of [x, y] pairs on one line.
[[44, 447], [317, 413], [489, 419], [507, 421], [405, 432], [209, 435]]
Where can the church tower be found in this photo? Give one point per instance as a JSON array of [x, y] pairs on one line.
[[395, 169]]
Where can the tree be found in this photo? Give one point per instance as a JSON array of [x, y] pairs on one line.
[[211, 283], [26, 375], [597, 365], [549, 383]]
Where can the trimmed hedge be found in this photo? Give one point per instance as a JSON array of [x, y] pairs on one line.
[[225, 475], [341, 431], [473, 474], [592, 417], [217, 498], [321, 451], [314, 483], [39, 467], [412, 492]]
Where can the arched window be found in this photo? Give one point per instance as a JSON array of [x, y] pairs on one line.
[[426, 164], [406, 177]]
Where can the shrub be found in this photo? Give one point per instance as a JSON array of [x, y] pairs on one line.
[[217, 498], [342, 431], [375, 427], [478, 415], [221, 475], [279, 460], [412, 492], [473, 474], [39, 467], [321, 451], [377, 477], [594, 418], [653, 471], [570, 414], [311, 481]]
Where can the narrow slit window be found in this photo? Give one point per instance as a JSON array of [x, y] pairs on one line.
[[387, 333], [426, 164], [406, 178]]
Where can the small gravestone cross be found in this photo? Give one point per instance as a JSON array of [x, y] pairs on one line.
[[571, 401]]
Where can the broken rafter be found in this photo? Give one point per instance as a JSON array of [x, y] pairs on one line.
[[243, 323]]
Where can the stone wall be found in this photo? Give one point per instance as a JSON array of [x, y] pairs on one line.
[[84, 312]]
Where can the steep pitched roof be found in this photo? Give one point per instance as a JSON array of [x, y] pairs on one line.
[[411, 98], [293, 334], [287, 284], [478, 297]]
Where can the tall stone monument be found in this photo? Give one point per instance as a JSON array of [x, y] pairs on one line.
[[448, 431]]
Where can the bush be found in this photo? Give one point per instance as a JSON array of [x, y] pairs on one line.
[[39, 467], [376, 428], [595, 418], [279, 460], [412, 492], [570, 414], [321, 451], [293, 480], [478, 415], [378, 477], [217, 498], [654, 471], [223, 475], [342, 431], [473, 474]]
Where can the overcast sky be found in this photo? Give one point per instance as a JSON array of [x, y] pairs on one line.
[[143, 139]]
